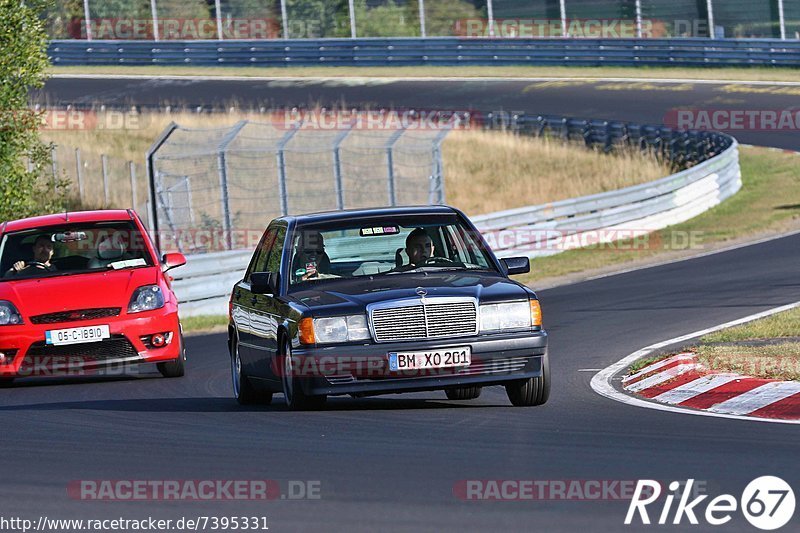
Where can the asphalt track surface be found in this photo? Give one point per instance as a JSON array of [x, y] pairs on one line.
[[391, 463]]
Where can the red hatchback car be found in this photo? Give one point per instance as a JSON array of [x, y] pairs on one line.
[[85, 290]]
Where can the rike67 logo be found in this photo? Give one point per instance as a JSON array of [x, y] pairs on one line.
[[767, 503]]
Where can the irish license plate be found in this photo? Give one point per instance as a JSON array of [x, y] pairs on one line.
[[76, 335], [444, 358]]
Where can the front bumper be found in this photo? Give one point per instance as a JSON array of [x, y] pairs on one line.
[[363, 370], [27, 354]]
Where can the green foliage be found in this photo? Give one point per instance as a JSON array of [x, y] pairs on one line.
[[441, 16], [318, 18], [23, 190]]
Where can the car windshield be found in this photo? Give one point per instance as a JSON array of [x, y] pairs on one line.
[[384, 247], [72, 249]]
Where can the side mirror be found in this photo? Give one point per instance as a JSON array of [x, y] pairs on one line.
[[173, 261], [516, 265], [264, 283]]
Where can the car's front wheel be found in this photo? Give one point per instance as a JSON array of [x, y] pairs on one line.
[[463, 393], [296, 398], [243, 390], [177, 367], [533, 391]]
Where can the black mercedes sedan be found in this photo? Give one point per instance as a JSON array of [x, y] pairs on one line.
[[383, 301]]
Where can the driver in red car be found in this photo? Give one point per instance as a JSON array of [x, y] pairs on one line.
[[419, 248], [42, 254]]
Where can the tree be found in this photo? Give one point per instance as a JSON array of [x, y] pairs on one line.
[[23, 63]]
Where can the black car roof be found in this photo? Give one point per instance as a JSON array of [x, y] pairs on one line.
[[352, 214]]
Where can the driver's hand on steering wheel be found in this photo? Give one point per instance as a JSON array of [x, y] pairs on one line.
[[18, 266]]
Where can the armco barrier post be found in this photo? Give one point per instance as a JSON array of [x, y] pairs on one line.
[[337, 167], [154, 12], [222, 168], [104, 165], [490, 14], [352, 10], [151, 176], [563, 6], [284, 20], [422, 18], [132, 168], [87, 19], [218, 15], [79, 172], [282, 167], [710, 7], [390, 165], [782, 20]]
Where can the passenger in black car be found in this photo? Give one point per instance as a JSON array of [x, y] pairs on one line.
[[311, 259]]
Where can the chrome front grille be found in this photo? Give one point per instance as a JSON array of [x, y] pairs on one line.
[[424, 319]]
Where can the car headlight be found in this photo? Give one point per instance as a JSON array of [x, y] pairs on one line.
[[497, 317], [334, 329], [9, 316], [146, 298]]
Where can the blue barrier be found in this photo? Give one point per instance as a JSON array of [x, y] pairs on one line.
[[431, 51]]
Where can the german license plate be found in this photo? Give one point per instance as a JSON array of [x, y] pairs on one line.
[[444, 358], [76, 335]]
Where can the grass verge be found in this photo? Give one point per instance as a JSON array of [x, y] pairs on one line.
[[768, 203], [764, 348], [204, 323], [682, 73], [786, 324]]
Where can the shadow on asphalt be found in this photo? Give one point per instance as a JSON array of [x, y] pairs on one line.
[[224, 405]]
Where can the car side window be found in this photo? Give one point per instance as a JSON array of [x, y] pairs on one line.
[[260, 259], [273, 260]]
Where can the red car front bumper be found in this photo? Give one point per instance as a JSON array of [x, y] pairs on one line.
[[26, 353]]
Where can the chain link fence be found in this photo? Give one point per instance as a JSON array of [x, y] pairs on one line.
[[233, 181], [314, 19]]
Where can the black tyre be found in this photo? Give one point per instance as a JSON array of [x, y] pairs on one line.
[[6, 382], [296, 398], [532, 391], [176, 368], [463, 393], [243, 390]]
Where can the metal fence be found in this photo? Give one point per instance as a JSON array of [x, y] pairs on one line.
[[100, 181], [708, 172], [233, 181], [163, 20], [433, 51]]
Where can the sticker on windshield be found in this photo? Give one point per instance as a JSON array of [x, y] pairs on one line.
[[380, 230], [130, 263]]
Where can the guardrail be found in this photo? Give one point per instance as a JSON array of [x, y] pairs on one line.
[[444, 51], [709, 173]]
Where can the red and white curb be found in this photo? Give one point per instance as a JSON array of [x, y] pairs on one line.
[[678, 384], [680, 380]]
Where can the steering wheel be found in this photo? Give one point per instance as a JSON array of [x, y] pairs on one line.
[[439, 261], [36, 264]]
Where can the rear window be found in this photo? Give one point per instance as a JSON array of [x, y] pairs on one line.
[[73, 249]]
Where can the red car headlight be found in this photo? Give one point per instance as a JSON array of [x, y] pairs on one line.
[[9, 316]]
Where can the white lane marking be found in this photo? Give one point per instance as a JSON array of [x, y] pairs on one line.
[[661, 377], [755, 399], [601, 382], [657, 365], [589, 369], [701, 385], [373, 79]]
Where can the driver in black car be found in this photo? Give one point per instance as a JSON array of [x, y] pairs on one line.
[[419, 248], [42, 254]]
